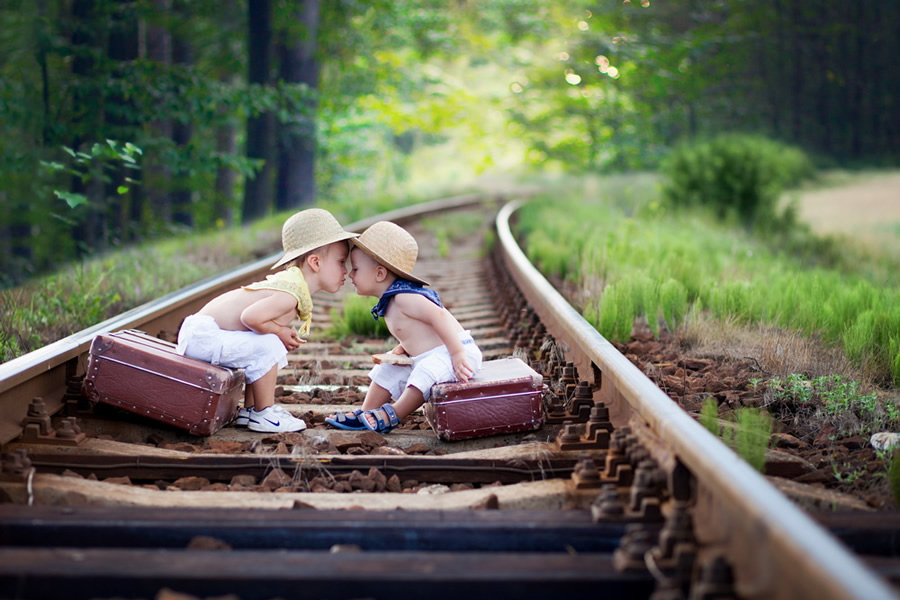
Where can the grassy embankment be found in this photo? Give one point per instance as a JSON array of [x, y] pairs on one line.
[[84, 293], [821, 315]]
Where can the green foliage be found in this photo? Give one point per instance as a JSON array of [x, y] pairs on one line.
[[613, 315], [355, 318], [674, 302], [637, 259], [93, 165], [61, 306], [736, 175]]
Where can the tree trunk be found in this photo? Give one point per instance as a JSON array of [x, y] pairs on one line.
[[226, 132], [121, 118], [257, 191], [182, 210], [87, 107], [296, 184], [156, 175]]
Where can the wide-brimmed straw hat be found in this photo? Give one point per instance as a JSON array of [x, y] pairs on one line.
[[307, 230], [392, 246]]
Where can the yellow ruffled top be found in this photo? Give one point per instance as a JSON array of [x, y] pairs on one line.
[[291, 281]]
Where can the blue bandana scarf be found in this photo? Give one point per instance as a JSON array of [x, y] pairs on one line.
[[403, 286]]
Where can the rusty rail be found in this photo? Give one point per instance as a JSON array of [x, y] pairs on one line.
[[773, 547], [44, 372], [745, 513]]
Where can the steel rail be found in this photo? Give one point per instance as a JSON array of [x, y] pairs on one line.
[[44, 372], [777, 551]]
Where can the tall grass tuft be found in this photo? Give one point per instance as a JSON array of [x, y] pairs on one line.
[[748, 433], [752, 435], [709, 416], [355, 318], [673, 300]]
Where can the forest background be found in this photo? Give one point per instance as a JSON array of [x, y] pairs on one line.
[[128, 120]]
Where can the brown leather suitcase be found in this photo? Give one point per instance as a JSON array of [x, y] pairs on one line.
[[505, 396], [144, 375]]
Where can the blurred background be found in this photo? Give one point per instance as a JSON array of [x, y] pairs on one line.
[[126, 121]]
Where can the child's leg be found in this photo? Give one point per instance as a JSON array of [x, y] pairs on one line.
[[249, 402], [375, 397], [409, 401], [261, 393]]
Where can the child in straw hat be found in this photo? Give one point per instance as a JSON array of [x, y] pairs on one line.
[[250, 328], [438, 347]]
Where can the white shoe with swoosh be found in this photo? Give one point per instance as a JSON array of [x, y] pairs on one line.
[[274, 419]]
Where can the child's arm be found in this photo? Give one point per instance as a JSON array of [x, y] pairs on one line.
[[262, 316], [443, 324]]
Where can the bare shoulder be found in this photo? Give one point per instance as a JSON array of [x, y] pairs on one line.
[[413, 300]]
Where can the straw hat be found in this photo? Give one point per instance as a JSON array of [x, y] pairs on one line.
[[307, 230], [392, 246]]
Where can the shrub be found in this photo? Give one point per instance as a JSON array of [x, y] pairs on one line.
[[735, 175]]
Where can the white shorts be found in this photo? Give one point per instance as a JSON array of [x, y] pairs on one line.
[[201, 337], [428, 368]]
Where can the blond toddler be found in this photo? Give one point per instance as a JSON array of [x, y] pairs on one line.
[[250, 327], [382, 261]]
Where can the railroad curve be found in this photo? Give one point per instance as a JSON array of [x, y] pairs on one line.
[[620, 493]]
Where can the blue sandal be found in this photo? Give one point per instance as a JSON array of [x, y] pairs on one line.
[[381, 426], [340, 420]]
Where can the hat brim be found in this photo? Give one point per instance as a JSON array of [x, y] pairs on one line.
[[298, 252], [382, 261]]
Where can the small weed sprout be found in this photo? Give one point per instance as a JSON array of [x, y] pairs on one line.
[[838, 400], [849, 476]]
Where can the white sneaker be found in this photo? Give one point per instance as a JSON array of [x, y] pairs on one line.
[[243, 418], [274, 419]]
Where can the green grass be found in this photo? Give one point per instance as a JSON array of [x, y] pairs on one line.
[[747, 431], [82, 294], [836, 400], [635, 258], [355, 318]]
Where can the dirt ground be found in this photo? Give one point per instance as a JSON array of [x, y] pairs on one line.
[[865, 210], [822, 459]]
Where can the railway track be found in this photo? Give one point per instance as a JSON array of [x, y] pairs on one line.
[[619, 494]]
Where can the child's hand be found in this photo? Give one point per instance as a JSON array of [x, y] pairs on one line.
[[290, 338], [399, 350], [461, 367]]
